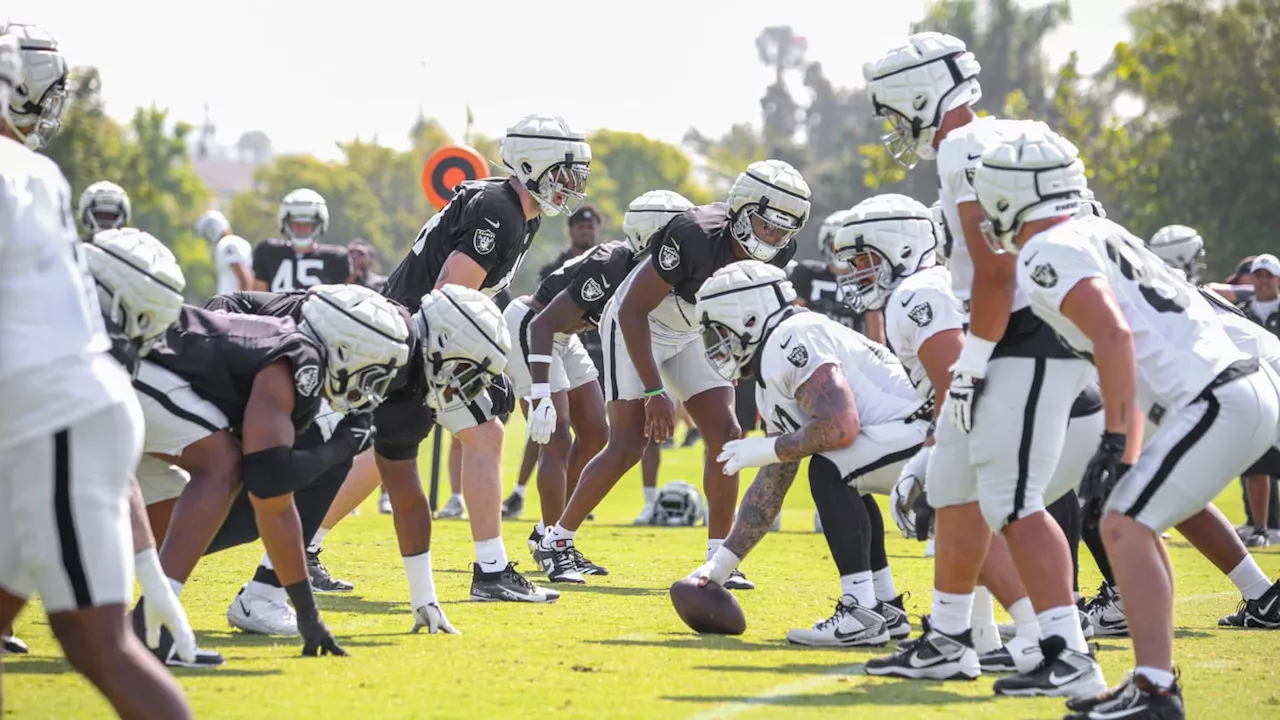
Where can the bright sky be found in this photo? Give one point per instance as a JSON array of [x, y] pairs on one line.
[[310, 76]]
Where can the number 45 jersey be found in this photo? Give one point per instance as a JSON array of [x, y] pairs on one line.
[[284, 270], [1179, 346]]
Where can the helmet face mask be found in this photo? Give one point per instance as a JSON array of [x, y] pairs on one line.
[[870, 279], [139, 284], [882, 241], [456, 382], [764, 231], [365, 342], [728, 351], [104, 206], [563, 188], [550, 160], [736, 307], [35, 106], [767, 205], [303, 218], [464, 345]]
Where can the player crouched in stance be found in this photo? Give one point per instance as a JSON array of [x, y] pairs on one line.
[[828, 394], [1154, 338], [550, 366], [70, 425]]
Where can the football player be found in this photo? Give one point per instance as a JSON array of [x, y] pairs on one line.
[[651, 340], [267, 378], [1152, 337], [104, 206], [478, 241], [553, 369], [362, 261], [817, 282], [298, 261], [232, 264], [70, 428], [829, 394], [1012, 365], [889, 242]]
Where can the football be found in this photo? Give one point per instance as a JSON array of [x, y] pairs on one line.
[[710, 609]]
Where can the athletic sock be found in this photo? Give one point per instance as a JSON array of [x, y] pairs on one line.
[[1024, 618], [1065, 623], [951, 612], [540, 528], [982, 621], [491, 554], [883, 581], [422, 585], [650, 494], [861, 586], [318, 538], [557, 532], [713, 544], [1249, 579], [520, 490]]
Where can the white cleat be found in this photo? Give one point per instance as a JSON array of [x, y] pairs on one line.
[[432, 618], [452, 510], [646, 514], [254, 613], [851, 625]]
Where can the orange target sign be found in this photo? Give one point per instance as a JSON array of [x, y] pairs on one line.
[[448, 166]]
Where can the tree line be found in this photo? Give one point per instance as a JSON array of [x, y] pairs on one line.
[[1200, 145]]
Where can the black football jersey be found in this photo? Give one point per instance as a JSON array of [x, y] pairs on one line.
[[281, 305], [818, 288], [220, 354], [1271, 321], [124, 350], [283, 270], [697, 243], [485, 222], [560, 260], [591, 278]]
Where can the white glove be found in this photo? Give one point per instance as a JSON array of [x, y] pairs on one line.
[[748, 452], [432, 618], [918, 465], [717, 569], [966, 380], [162, 608], [542, 418]]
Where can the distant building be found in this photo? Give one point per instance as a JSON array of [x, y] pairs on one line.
[[227, 170]]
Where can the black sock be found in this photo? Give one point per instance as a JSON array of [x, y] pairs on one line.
[[1092, 536], [879, 559], [1066, 510], [266, 576], [844, 518]]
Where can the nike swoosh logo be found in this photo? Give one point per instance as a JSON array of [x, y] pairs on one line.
[[906, 300], [1266, 610], [486, 562], [846, 635], [493, 223], [787, 342], [1027, 262], [1055, 679], [606, 283], [976, 157]]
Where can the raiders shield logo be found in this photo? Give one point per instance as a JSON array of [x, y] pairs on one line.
[[484, 240], [799, 356], [668, 257], [307, 380], [921, 314], [1044, 276], [591, 290]]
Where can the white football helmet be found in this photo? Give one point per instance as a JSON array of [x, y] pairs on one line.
[[648, 214], [35, 104], [464, 343], [915, 85], [550, 159], [366, 342], [827, 240], [1089, 205], [213, 226], [104, 206], [678, 504], [139, 283], [1181, 248], [943, 254], [768, 204], [10, 73], [902, 504], [1035, 174], [736, 307], [303, 207], [883, 240]]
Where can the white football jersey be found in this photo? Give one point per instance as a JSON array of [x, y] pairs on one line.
[[229, 251], [921, 307], [959, 153], [672, 322], [1179, 344], [52, 340], [805, 342]]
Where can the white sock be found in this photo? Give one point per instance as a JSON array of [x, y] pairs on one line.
[[1162, 679], [650, 494], [1064, 622], [1249, 579], [491, 554], [1024, 617], [266, 562], [557, 532], [982, 621], [713, 545], [520, 490], [861, 586], [318, 538], [540, 528], [422, 585], [883, 581], [951, 612], [455, 496], [177, 586], [263, 590]]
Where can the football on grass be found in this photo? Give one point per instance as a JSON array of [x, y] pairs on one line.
[[710, 609]]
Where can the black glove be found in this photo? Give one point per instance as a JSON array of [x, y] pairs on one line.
[[1104, 468], [503, 395], [316, 638], [356, 430]]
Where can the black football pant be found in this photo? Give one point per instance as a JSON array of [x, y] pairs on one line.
[[851, 522]]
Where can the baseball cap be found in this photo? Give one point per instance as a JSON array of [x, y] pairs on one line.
[[586, 213], [1267, 262]]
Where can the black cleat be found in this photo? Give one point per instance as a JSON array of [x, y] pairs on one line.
[[1260, 614], [895, 614], [1134, 699], [507, 585], [1062, 673], [933, 656], [10, 644], [321, 580], [585, 566], [513, 506]]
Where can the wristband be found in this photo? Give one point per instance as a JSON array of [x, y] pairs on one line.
[[545, 359], [975, 355], [654, 392], [723, 563], [538, 391]]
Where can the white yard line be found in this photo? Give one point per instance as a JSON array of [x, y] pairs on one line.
[[734, 709]]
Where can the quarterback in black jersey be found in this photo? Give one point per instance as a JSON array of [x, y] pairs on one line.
[[218, 375], [299, 261], [651, 338]]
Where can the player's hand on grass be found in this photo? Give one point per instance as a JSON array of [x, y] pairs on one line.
[[431, 617], [317, 640], [161, 607]]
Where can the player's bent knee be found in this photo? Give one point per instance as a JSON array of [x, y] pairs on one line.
[[486, 434]]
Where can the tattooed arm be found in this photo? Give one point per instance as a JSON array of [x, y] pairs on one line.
[[760, 505], [461, 270], [827, 398]]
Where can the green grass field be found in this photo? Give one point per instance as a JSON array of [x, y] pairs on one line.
[[615, 648]]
